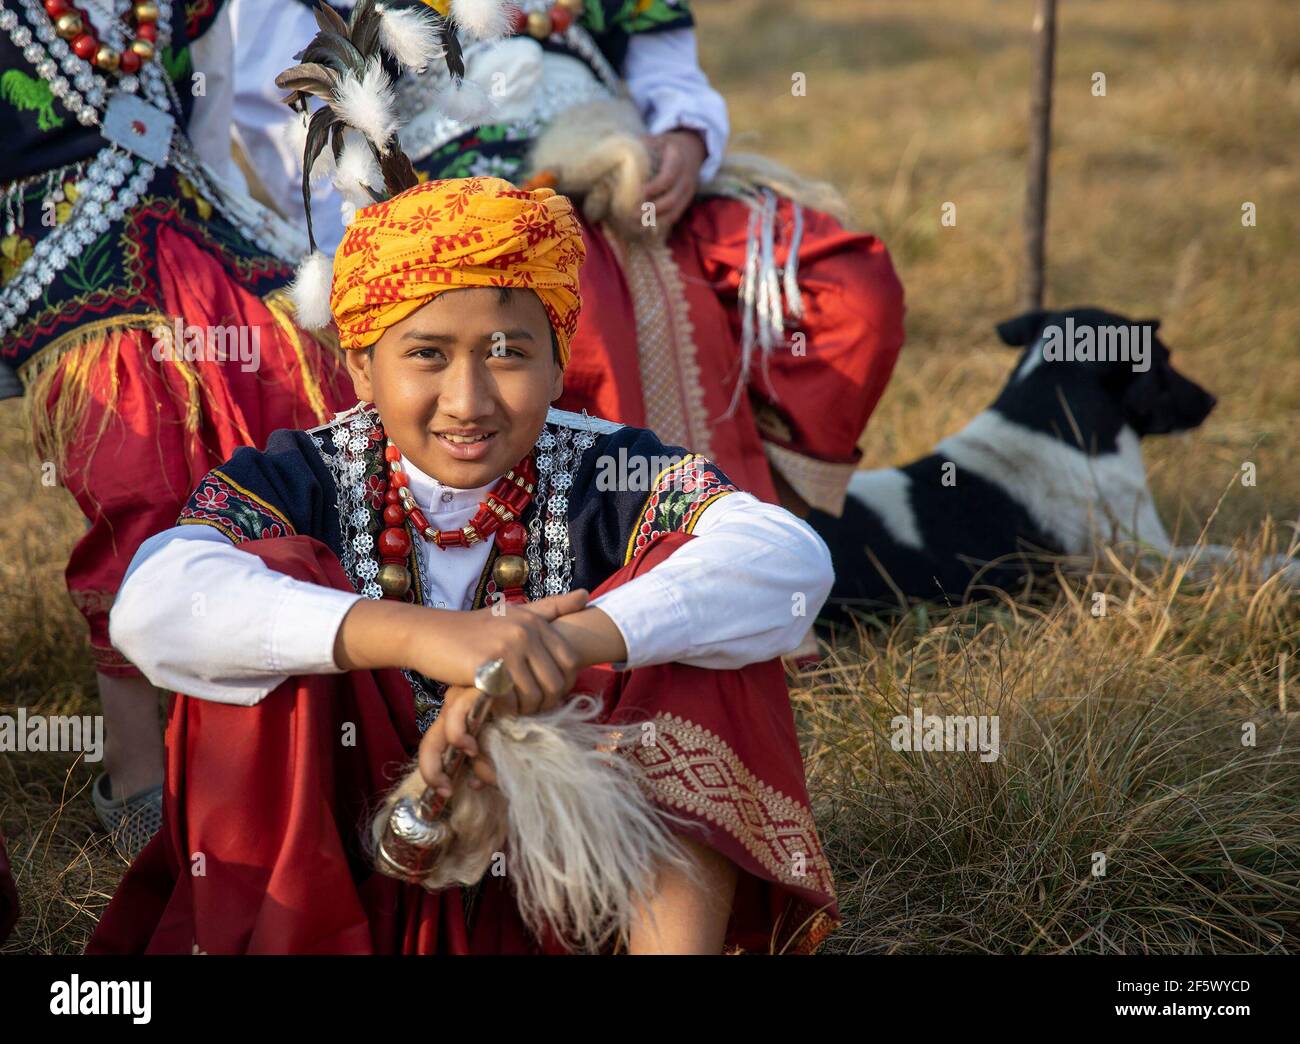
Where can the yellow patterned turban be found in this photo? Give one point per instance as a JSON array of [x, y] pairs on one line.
[[398, 255]]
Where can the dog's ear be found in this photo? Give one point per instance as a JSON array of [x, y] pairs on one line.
[[1153, 323], [1021, 330]]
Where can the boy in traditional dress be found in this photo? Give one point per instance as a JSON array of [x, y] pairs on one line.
[[323, 607]]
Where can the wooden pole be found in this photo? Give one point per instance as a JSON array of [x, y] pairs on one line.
[[1040, 143]]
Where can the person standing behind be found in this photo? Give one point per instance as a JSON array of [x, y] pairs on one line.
[[142, 306], [745, 321]]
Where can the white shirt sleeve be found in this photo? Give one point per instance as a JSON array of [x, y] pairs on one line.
[[199, 616], [747, 589], [266, 36], [663, 75]]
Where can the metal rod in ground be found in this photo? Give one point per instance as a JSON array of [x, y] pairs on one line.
[[1033, 278]]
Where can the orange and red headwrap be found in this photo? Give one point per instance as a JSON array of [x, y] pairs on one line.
[[398, 255]]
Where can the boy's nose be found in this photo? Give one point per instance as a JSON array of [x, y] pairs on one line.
[[466, 392]]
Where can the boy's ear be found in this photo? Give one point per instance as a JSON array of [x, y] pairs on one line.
[[359, 361]]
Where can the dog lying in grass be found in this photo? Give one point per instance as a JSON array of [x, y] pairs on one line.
[[1053, 466]]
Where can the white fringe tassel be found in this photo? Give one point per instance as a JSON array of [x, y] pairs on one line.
[[584, 842], [763, 284]]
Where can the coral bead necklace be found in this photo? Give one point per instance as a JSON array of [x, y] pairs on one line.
[[498, 513], [73, 25]]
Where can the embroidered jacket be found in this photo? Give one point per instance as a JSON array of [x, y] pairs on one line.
[[53, 173]]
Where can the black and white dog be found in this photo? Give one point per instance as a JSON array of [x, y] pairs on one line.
[[1053, 465]]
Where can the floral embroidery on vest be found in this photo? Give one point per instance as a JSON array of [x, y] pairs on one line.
[[222, 503], [681, 493]]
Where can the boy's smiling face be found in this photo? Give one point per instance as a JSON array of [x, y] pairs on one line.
[[463, 384]]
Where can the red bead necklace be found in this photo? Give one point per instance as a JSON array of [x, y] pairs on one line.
[[499, 513], [73, 25], [555, 19]]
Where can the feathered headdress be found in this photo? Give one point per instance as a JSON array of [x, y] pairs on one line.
[[343, 66]]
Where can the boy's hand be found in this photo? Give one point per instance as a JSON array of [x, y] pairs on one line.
[[540, 660], [590, 636], [449, 731], [679, 154]]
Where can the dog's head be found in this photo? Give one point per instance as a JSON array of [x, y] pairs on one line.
[[1086, 373]]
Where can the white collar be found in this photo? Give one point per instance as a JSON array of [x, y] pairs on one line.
[[441, 501]]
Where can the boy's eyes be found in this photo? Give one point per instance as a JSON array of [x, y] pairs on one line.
[[496, 351], [427, 354]]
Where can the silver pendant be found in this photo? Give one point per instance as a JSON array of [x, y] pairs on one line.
[[143, 130]]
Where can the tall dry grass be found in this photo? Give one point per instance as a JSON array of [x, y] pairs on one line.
[[1159, 735], [1122, 735]]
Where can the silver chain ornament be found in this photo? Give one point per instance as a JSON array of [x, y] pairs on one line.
[[558, 453], [84, 93]]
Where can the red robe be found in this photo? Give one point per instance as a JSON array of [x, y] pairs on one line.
[[806, 407], [150, 430], [264, 808]]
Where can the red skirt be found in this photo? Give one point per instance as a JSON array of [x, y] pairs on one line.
[[264, 810], [151, 429], [676, 372]]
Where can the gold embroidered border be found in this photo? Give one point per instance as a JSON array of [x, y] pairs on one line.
[[279, 303], [270, 508], [220, 527], [822, 484], [696, 512], [655, 487], [691, 769], [670, 372]]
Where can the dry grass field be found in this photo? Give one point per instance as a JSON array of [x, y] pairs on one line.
[[1121, 735]]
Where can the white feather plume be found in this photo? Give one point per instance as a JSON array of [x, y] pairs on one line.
[[465, 101], [310, 291], [410, 35], [584, 843], [368, 104], [482, 19], [356, 169]]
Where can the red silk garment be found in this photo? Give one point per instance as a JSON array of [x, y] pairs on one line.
[[810, 406], [132, 465], [8, 894], [264, 808]]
